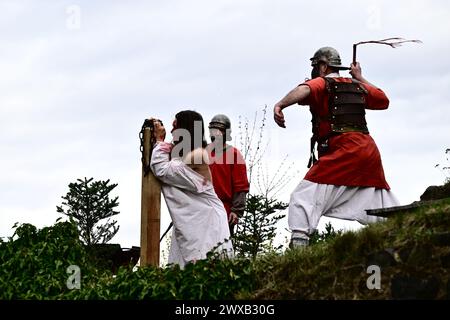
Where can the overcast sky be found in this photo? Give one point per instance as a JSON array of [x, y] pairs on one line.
[[78, 78]]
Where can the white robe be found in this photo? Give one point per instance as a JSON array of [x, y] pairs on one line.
[[199, 218], [310, 201]]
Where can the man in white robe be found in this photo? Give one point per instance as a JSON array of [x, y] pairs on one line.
[[199, 219]]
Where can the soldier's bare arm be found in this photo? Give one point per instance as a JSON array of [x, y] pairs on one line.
[[296, 95]]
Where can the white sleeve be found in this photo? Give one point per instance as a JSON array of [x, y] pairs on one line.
[[174, 172]]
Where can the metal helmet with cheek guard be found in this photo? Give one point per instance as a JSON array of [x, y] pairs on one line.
[[223, 123], [329, 56]]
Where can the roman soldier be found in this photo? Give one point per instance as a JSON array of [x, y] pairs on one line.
[[228, 169], [346, 178]]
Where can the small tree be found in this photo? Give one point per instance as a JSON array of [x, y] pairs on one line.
[[445, 167], [257, 229], [88, 202], [443, 191], [325, 236]]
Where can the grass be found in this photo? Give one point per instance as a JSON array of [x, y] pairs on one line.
[[412, 250]]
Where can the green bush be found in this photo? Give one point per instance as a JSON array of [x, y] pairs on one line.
[[33, 265], [206, 279], [34, 262]]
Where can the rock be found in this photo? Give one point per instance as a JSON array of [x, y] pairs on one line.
[[411, 287], [436, 192]]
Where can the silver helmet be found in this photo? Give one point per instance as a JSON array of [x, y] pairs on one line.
[[223, 123], [330, 56]]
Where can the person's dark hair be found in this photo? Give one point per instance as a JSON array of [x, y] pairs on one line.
[[186, 120]]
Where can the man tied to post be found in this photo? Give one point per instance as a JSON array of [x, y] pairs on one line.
[[348, 177], [199, 218]]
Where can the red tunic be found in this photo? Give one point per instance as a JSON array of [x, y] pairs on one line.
[[353, 158], [229, 175]]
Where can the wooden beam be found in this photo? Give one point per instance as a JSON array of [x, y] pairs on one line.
[[388, 212], [392, 211], [150, 209]]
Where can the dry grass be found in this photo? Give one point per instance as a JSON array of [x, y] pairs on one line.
[[412, 250]]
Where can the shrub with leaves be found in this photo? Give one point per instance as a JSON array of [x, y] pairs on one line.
[[33, 265], [34, 262], [209, 279]]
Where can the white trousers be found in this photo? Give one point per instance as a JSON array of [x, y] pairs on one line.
[[310, 201]]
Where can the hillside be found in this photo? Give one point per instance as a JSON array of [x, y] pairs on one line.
[[411, 249]]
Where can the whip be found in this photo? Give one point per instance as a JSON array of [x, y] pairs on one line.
[[392, 42]]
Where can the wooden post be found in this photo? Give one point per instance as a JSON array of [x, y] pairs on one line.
[[150, 210]]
